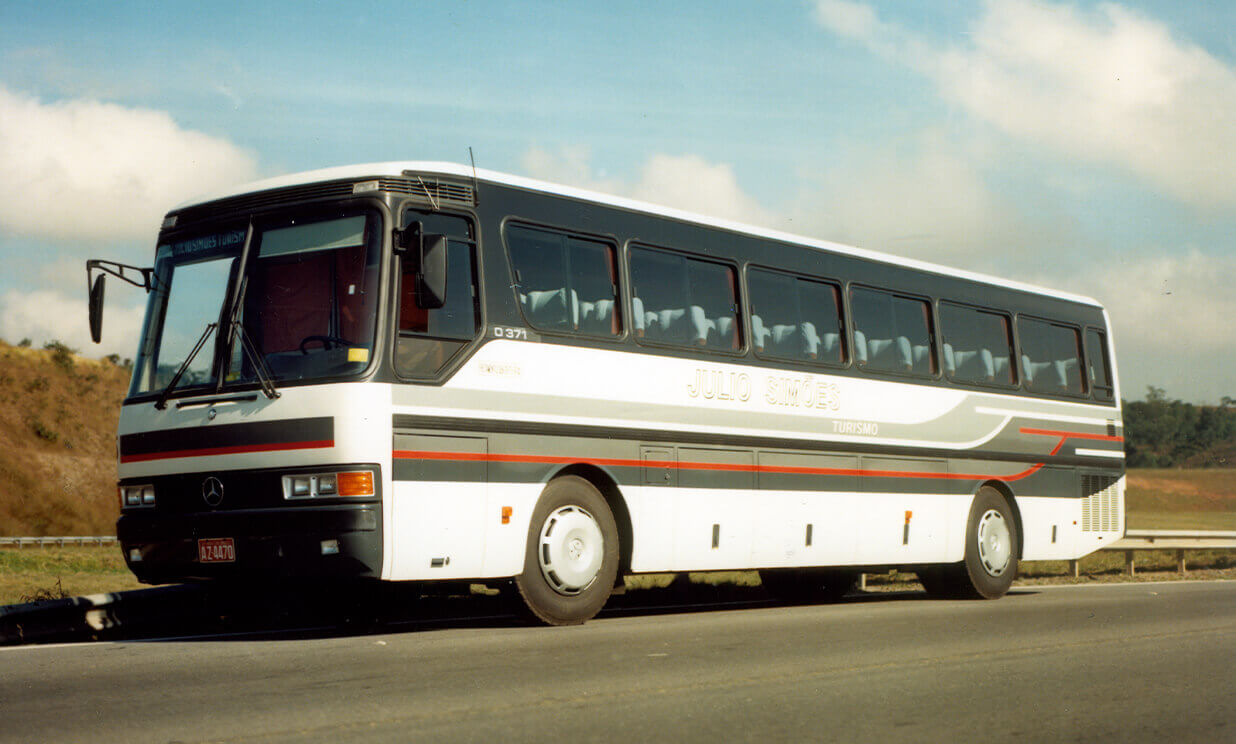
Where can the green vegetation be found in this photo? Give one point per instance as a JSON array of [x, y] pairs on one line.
[[1163, 433], [32, 574]]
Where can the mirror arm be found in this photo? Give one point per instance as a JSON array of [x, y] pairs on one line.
[[120, 271]]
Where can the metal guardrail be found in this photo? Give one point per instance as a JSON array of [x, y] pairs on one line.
[[42, 542], [1177, 540], [1133, 540]]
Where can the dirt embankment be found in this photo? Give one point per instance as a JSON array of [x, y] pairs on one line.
[[58, 414]]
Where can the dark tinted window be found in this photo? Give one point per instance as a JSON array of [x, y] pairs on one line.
[[429, 338], [1098, 363], [683, 301], [564, 283], [978, 345], [795, 318], [892, 333], [1050, 357]]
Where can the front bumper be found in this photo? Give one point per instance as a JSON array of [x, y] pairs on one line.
[[338, 540]]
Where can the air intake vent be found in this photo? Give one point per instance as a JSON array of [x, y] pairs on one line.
[[1102, 505], [429, 189]]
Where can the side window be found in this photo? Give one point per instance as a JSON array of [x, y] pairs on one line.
[[978, 345], [795, 318], [565, 283], [1097, 361], [683, 301], [428, 339], [1050, 357], [892, 333]]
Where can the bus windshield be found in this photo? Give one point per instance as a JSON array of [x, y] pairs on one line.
[[307, 303]]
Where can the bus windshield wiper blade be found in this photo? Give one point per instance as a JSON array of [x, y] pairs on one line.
[[236, 332], [161, 403], [260, 370]]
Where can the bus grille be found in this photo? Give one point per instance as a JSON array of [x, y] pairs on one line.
[[1102, 504]]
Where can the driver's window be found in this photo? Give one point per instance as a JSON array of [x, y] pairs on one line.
[[428, 339]]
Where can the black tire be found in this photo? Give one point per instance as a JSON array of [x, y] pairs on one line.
[[571, 556], [803, 585], [990, 565]]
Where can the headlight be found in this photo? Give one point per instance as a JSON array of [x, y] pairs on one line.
[[352, 483], [135, 496]]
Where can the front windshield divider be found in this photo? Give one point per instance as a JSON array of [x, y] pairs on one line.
[[231, 310], [161, 403]]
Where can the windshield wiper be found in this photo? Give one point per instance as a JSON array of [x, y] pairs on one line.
[[237, 333], [161, 403], [260, 370]]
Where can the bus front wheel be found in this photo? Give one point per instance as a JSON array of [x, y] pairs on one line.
[[571, 557], [990, 564]]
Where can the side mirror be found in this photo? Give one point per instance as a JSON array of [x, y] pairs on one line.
[[431, 274], [96, 308]]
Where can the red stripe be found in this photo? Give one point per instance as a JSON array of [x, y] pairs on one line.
[[1072, 435], [725, 467], [243, 449], [739, 468]]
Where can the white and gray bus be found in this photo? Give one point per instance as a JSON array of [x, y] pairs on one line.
[[422, 372]]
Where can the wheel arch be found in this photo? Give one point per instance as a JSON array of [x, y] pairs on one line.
[[1004, 490], [608, 486]]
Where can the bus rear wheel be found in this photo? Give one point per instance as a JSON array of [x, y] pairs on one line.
[[990, 564], [571, 558]]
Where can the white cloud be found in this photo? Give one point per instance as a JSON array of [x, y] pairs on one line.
[[686, 182], [82, 169], [1170, 321], [923, 197], [1108, 86], [1168, 303], [44, 315]]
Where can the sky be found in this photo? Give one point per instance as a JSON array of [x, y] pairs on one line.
[[1082, 146]]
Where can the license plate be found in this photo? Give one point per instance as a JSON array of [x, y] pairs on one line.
[[216, 550]]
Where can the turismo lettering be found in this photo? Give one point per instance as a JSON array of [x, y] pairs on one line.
[[862, 428]]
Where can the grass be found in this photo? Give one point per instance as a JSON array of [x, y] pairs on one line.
[[32, 574], [1169, 499]]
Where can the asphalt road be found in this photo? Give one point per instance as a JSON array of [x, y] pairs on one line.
[[1114, 663]]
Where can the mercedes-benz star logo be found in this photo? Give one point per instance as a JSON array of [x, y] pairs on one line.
[[212, 491]]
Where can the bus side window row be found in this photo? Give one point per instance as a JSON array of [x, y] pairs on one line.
[[687, 301]]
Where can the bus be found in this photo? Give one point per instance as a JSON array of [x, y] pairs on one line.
[[423, 372]]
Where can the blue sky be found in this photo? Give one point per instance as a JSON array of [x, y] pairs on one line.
[[1078, 145]]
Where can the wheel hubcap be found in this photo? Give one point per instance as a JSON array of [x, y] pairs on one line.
[[995, 542], [571, 550]]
